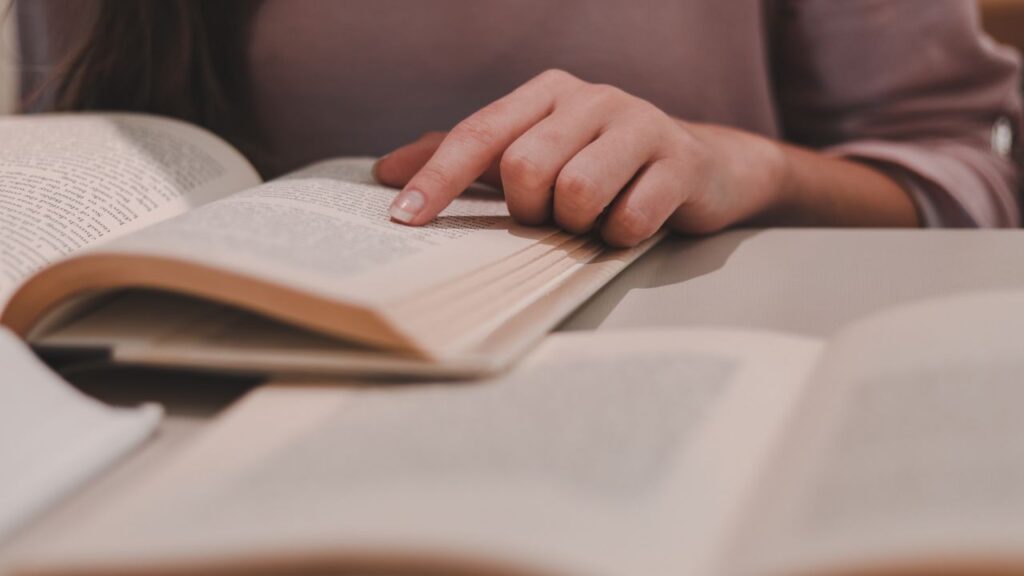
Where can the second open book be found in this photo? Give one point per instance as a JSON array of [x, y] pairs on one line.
[[106, 216], [893, 448]]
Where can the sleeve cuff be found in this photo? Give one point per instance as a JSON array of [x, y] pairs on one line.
[[952, 184]]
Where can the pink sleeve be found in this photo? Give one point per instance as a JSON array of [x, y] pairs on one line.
[[913, 87]]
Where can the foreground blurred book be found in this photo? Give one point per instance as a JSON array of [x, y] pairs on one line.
[[893, 448], [53, 438], [105, 218]]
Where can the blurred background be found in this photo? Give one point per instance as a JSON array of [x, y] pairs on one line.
[[1004, 20], [8, 61]]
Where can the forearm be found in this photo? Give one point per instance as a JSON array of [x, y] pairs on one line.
[[820, 190], [773, 183]]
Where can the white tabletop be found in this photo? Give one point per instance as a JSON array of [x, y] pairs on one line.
[[809, 282], [804, 281]]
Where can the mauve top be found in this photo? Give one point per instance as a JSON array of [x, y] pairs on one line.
[[912, 86]]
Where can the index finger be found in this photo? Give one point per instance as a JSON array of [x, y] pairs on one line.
[[473, 146]]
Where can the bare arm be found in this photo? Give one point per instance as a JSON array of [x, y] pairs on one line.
[[816, 189]]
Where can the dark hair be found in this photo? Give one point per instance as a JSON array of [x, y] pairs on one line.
[[181, 58]]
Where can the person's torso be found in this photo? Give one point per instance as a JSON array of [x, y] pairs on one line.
[[361, 77]]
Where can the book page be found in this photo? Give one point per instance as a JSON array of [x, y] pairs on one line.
[[167, 330], [71, 181], [53, 438], [619, 453], [908, 452], [317, 249], [325, 229]]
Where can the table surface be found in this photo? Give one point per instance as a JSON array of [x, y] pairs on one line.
[[810, 282]]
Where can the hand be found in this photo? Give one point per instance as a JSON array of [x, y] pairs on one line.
[[587, 155]]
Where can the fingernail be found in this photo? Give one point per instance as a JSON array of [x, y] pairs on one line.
[[407, 205]]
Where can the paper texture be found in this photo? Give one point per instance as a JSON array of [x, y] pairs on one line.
[[52, 437], [637, 445], [325, 230], [68, 182], [908, 449]]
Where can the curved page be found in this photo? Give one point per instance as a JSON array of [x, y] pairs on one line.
[[71, 181]]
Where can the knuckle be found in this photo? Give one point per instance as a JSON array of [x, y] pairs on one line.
[[651, 114], [518, 170], [577, 197], [605, 92], [556, 75], [433, 177], [579, 190], [651, 120], [475, 131], [628, 227], [648, 108], [556, 84]]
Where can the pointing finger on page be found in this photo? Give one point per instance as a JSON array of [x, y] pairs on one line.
[[399, 166], [473, 146]]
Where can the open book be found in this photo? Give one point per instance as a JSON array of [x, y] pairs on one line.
[[155, 242], [893, 448]]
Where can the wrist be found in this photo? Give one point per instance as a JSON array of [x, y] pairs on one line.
[[754, 170], [782, 190]]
